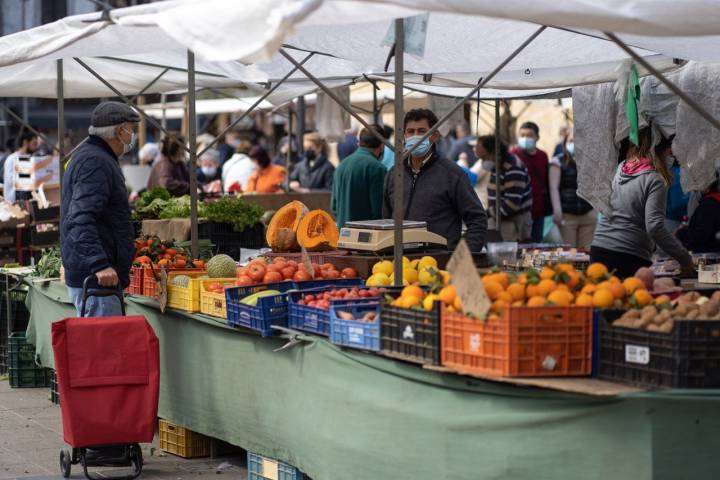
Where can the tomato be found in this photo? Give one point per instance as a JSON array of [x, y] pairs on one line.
[[292, 263], [309, 298], [171, 251], [243, 281], [342, 292], [318, 271], [149, 242], [198, 264], [180, 263], [288, 272], [272, 277], [324, 304], [301, 276], [279, 260], [256, 271], [312, 304], [273, 268], [279, 265], [331, 274], [363, 293], [348, 273], [328, 266]]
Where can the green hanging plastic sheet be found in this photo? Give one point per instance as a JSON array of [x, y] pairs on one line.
[[631, 105]]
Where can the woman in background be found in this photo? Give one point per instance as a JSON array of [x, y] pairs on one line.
[[268, 177], [170, 170]]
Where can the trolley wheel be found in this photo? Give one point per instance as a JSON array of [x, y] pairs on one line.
[[65, 462], [136, 459]]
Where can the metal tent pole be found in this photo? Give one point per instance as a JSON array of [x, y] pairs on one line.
[[482, 83], [163, 118], [289, 150], [192, 133], [60, 90], [335, 98], [399, 170], [498, 166], [683, 96], [300, 123]]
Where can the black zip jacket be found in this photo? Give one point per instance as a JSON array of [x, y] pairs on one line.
[[95, 227], [441, 195]]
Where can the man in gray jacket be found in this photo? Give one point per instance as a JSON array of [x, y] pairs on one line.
[[436, 190]]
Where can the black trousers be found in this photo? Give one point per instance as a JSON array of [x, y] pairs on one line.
[[624, 264]]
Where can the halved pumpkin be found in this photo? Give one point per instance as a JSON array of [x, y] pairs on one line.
[[280, 234], [318, 231]]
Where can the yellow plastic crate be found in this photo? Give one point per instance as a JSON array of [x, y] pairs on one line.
[[185, 298], [182, 441], [213, 304]]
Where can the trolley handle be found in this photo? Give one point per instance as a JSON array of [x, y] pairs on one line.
[[100, 292]]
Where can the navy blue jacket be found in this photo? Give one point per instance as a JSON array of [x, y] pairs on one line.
[[95, 227]]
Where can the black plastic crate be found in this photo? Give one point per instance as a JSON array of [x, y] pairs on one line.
[[687, 357], [54, 391], [44, 238], [230, 242], [20, 317], [411, 335], [43, 214], [24, 372]]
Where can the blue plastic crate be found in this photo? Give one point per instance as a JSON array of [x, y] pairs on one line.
[[269, 310], [355, 333], [256, 465], [338, 282], [316, 320]]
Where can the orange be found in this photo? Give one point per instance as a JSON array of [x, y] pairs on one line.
[[614, 279], [642, 297], [536, 301], [522, 278], [517, 290], [595, 271], [603, 298], [547, 273], [532, 290], [662, 299], [519, 303], [410, 301], [588, 289], [605, 285], [505, 297], [447, 295], [560, 297], [631, 284], [574, 278], [546, 286], [499, 277], [492, 288], [499, 305], [584, 300], [617, 290], [565, 267], [562, 287], [457, 304], [493, 318], [413, 291]]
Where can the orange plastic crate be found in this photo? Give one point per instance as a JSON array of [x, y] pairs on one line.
[[214, 304], [136, 281], [525, 342], [150, 283]]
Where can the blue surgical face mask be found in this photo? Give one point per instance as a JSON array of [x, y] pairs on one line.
[[422, 149], [526, 143], [570, 147], [208, 171]]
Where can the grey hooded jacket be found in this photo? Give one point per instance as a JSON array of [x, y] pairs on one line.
[[637, 222]]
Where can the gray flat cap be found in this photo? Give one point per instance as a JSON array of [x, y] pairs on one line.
[[113, 113]]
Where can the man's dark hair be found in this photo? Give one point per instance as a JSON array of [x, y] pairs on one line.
[[531, 126], [367, 139], [25, 136], [260, 155], [171, 145], [418, 114], [488, 143], [387, 131]]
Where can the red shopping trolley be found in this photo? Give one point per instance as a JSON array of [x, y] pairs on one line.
[[108, 371]]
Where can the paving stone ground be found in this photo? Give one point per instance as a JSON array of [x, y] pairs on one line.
[[31, 439]]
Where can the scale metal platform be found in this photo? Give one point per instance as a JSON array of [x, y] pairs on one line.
[[378, 236]]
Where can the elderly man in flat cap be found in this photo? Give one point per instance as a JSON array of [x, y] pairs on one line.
[[96, 231]]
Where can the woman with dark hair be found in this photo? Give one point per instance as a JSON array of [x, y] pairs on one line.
[[268, 177], [625, 240], [515, 191], [315, 172], [170, 170], [574, 216]]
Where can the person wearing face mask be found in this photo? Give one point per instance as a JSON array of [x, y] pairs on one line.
[[27, 145], [574, 216], [357, 189], [515, 191], [209, 174], [435, 189], [268, 177], [170, 170], [227, 148], [626, 239], [96, 231], [537, 163], [315, 172]]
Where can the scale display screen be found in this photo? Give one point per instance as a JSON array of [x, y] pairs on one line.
[[364, 237]]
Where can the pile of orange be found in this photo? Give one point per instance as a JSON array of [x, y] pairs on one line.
[[563, 285], [415, 297]]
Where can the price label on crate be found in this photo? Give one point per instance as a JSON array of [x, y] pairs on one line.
[[269, 469], [467, 282], [637, 354]]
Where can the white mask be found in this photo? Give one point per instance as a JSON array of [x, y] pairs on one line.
[[127, 147]]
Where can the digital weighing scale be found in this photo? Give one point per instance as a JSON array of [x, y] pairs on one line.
[[379, 235]]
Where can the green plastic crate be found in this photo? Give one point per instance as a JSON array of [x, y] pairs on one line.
[[24, 372]]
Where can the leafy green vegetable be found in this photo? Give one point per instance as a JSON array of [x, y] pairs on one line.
[[238, 213], [49, 264], [150, 203]]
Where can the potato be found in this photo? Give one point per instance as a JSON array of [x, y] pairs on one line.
[[662, 317], [649, 310], [716, 295], [681, 310], [689, 297], [634, 313], [653, 327], [663, 283], [692, 315], [665, 327], [709, 309]]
